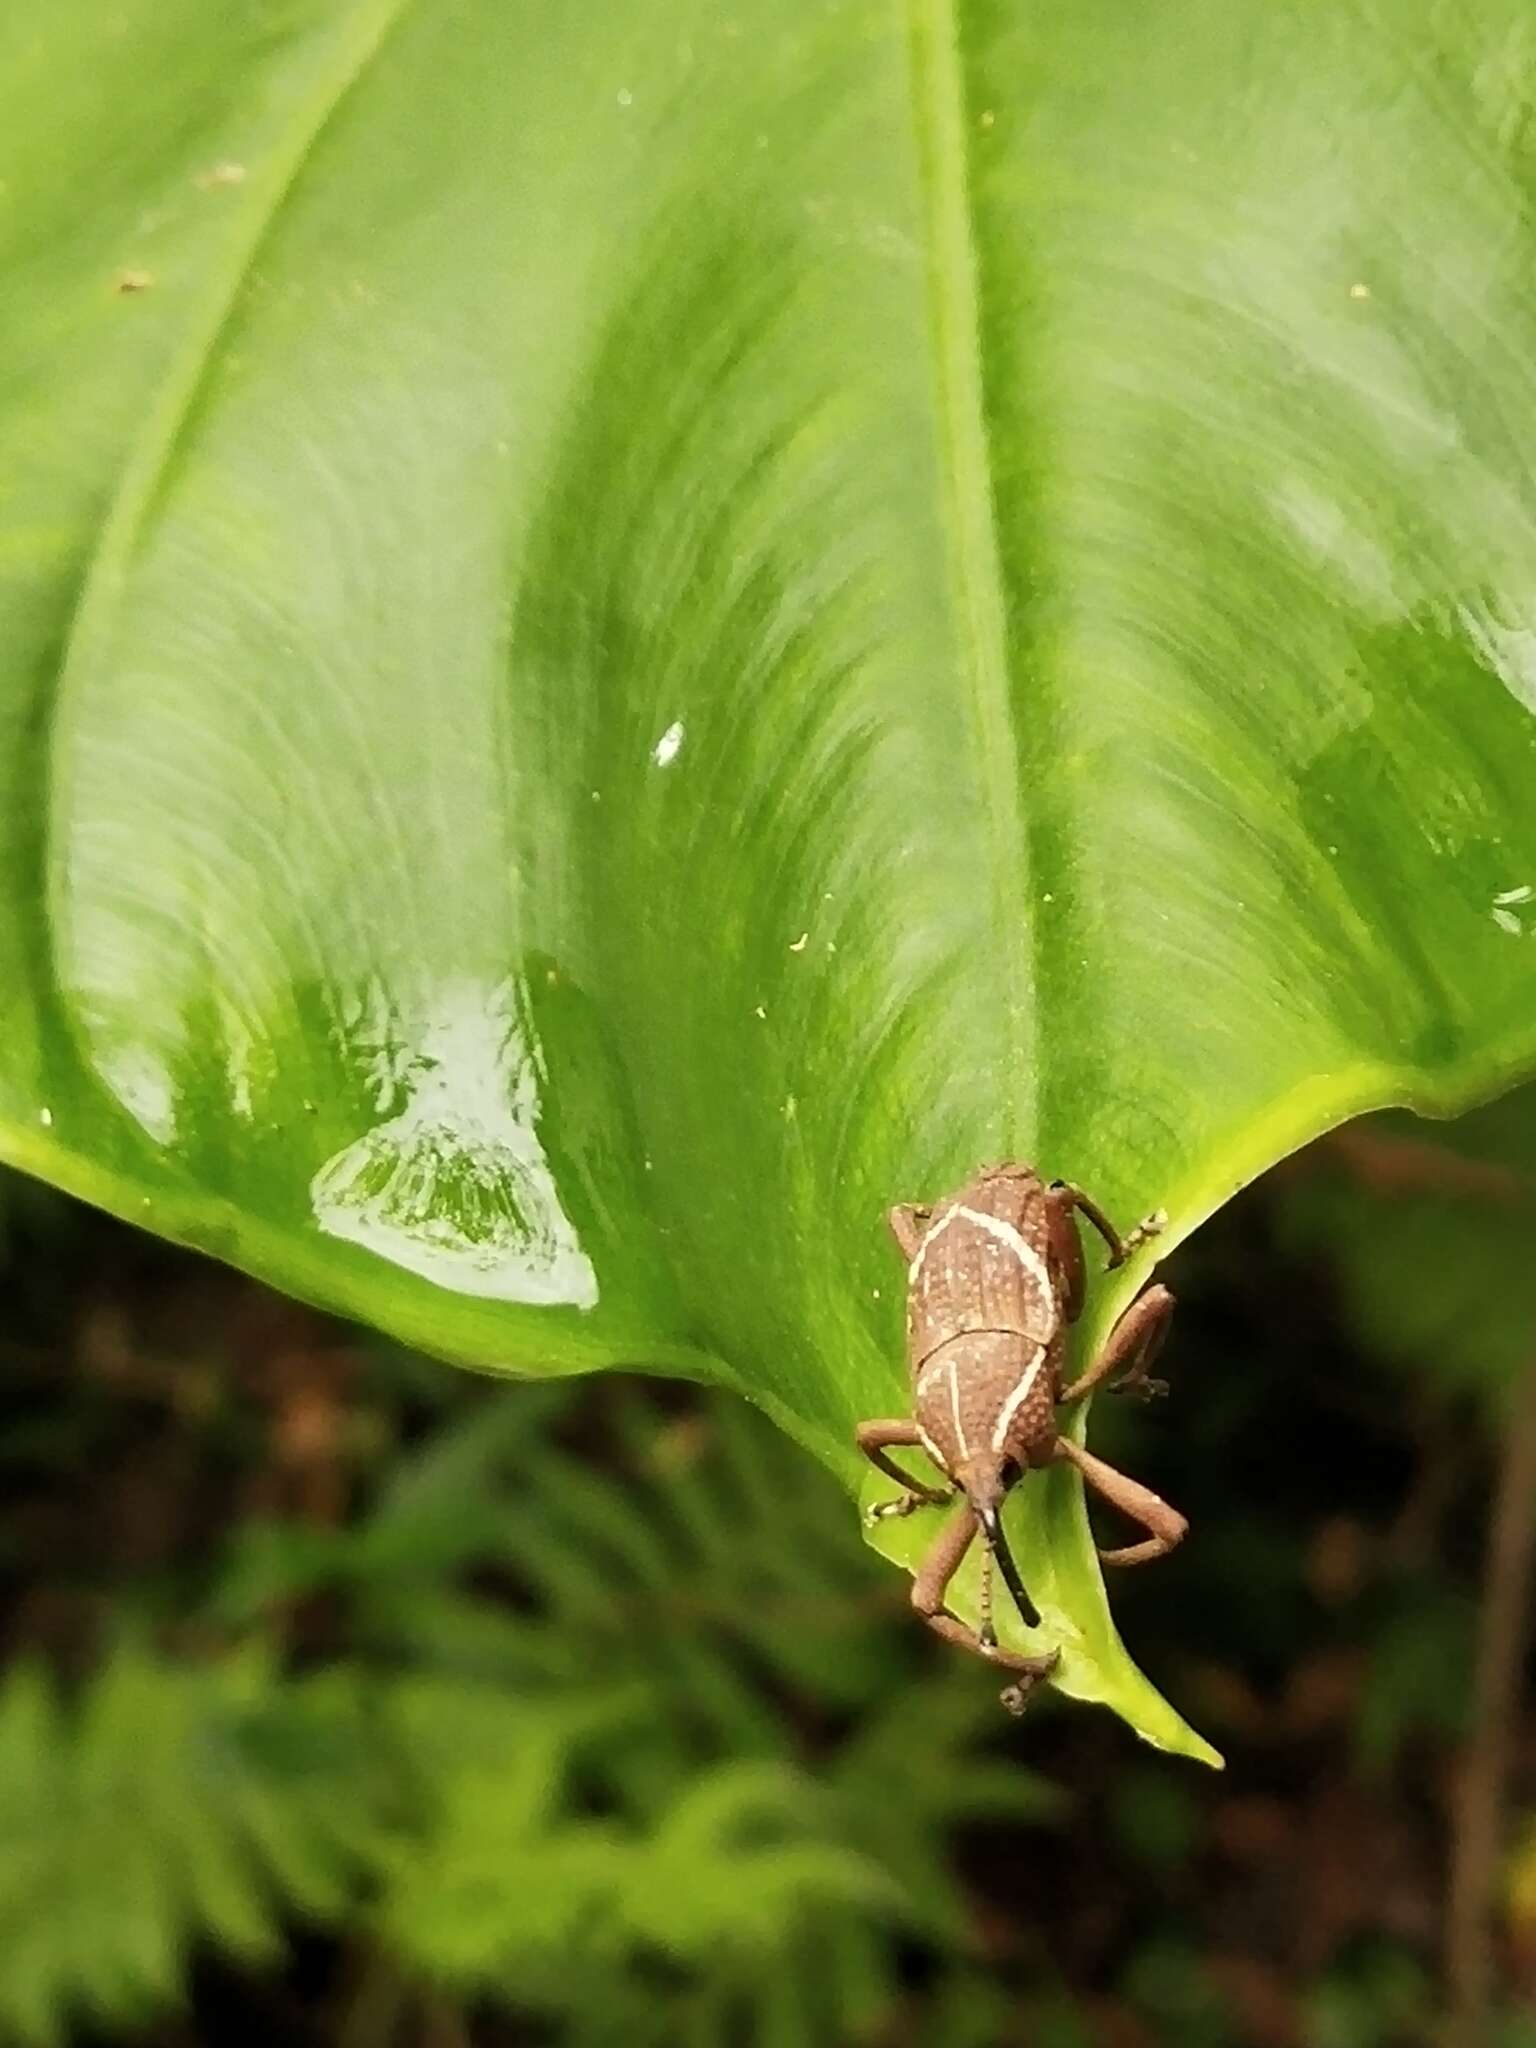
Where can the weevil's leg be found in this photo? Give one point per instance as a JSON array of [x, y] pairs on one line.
[[1120, 1248], [1131, 1498], [1151, 1225], [874, 1440], [1066, 1245], [1130, 1347], [909, 1223], [932, 1583], [1073, 1197]]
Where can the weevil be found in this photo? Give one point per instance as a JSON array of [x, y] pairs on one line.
[[995, 1279]]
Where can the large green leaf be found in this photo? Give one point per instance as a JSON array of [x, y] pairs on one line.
[[630, 631]]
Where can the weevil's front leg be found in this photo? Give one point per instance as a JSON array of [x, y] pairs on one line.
[[1139, 1502], [1120, 1248], [909, 1223], [874, 1440], [932, 1583], [1130, 1347]]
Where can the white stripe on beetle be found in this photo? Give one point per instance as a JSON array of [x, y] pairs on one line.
[[1004, 1233], [939, 1223], [1017, 1398], [954, 1408], [935, 1364]]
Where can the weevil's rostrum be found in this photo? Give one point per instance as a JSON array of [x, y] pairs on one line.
[[994, 1280]]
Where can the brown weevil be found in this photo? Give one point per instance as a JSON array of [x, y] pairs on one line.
[[994, 1280]]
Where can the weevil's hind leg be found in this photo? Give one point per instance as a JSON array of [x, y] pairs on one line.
[[874, 1440], [909, 1223], [1166, 1524], [1130, 1348], [1120, 1248], [932, 1583]]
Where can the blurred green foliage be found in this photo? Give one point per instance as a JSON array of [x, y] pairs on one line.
[[580, 1713], [1430, 1231], [628, 1746]]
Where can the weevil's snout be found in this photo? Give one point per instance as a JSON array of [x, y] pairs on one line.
[[984, 1480]]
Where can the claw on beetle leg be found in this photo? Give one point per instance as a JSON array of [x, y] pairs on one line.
[[1016, 1697], [1140, 1234], [1140, 1387], [904, 1504]]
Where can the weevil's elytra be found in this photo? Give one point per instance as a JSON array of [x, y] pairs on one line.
[[994, 1281]]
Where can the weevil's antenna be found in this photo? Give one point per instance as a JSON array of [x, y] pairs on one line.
[[997, 1543]]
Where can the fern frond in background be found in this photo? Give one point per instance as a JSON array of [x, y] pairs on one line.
[[169, 1804], [355, 1703], [720, 1677], [592, 1710]]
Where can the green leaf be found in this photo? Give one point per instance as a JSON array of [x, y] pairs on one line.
[[631, 633], [1429, 1236]]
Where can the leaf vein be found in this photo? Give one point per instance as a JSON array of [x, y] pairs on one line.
[[976, 574]]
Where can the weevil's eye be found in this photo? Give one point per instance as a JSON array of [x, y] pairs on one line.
[[1011, 1471]]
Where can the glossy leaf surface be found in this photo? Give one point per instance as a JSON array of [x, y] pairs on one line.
[[631, 632]]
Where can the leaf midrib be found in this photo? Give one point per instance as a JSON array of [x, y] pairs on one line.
[[977, 586]]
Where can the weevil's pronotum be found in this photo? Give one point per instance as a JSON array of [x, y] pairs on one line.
[[994, 1279]]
